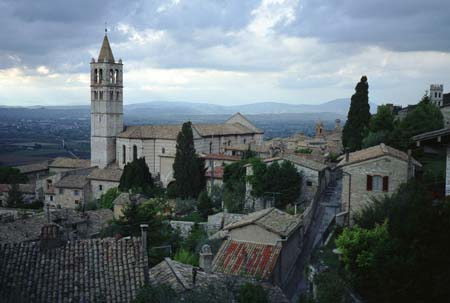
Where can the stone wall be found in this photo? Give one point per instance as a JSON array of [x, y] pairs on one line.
[[68, 198], [96, 193], [254, 233], [395, 169]]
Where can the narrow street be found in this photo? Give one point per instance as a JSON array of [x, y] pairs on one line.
[[328, 206]]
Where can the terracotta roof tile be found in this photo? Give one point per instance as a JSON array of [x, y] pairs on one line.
[[106, 174], [271, 219], [179, 277], [246, 259], [70, 163], [80, 271], [376, 152]]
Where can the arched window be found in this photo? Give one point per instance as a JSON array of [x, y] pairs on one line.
[[95, 75], [100, 75], [111, 76], [96, 95], [124, 154], [210, 147], [111, 95], [117, 76], [101, 95], [163, 150], [134, 152], [117, 96], [245, 141]]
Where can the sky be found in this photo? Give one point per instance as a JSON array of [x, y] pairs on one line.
[[225, 51]]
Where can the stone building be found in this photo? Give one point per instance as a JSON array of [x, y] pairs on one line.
[[373, 173], [263, 244], [315, 178], [27, 191], [101, 180], [72, 190]]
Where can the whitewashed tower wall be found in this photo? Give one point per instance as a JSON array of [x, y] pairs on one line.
[[106, 106]]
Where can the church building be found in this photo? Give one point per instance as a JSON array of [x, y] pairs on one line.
[[113, 145]]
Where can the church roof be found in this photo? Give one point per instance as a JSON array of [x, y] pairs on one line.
[[70, 163], [171, 131], [151, 132], [106, 54], [106, 174]]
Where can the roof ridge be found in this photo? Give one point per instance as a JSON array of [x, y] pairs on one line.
[[177, 274]]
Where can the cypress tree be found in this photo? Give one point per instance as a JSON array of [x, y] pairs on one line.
[[188, 168], [358, 117], [136, 176]]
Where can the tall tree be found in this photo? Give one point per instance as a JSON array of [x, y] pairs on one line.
[[188, 168], [358, 117], [136, 177], [382, 124], [15, 197]]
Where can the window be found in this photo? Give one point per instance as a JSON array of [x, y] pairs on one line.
[[308, 183], [49, 183], [111, 76], [100, 187], [117, 95], [210, 147], [77, 201], [101, 95], [134, 152], [95, 95], [111, 95], [378, 183], [245, 141], [100, 76], [61, 191], [124, 154], [95, 76], [163, 150], [117, 76], [76, 192], [435, 95], [51, 198]]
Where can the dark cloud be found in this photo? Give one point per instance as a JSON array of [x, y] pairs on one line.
[[59, 33], [402, 25]]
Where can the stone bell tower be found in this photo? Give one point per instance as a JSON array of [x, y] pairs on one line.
[[106, 106]]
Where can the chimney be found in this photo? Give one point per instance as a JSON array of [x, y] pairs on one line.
[[347, 154], [206, 258], [51, 236], [144, 229]]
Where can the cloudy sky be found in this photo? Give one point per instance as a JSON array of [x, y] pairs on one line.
[[225, 51]]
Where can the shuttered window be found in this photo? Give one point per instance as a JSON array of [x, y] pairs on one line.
[[369, 182], [386, 183]]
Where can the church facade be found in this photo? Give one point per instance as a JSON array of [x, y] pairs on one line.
[[113, 145]]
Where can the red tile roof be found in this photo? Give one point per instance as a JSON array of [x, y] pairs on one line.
[[218, 173], [246, 259], [221, 157]]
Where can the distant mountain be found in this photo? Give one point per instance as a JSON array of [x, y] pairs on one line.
[[167, 109], [338, 106]]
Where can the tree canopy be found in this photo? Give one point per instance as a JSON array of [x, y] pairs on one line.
[[188, 168], [136, 177], [280, 181], [358, 117], [398, 251], [11, 175]]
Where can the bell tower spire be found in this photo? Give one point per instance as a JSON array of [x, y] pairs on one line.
[[106, 105]]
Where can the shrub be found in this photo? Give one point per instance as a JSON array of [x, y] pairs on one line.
[[186, 257], [250, 293]]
